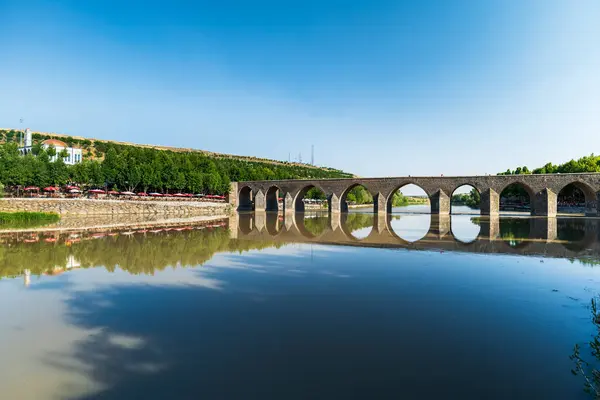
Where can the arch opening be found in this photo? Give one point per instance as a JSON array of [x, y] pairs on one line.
[[464, 204], [245, 199], [516, 198], [576, 198], [465, 200], [273, 199], [357, 198], [409, 198], [311, 198]]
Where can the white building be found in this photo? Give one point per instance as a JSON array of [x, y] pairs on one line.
[[74, 156]]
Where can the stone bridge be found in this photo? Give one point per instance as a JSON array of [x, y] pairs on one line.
[[543, 238], [542, 189]]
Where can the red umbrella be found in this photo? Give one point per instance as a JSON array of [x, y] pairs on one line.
[[113, 192], [50, 189], [96, 191], [74, 191], [142, 194], [155, 194], [179, 195], [31, 188], [127, 193], [71, 187]]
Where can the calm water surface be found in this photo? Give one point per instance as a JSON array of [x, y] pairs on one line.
[[273, 307]]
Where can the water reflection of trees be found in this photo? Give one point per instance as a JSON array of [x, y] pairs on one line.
[[138, 253], [515, 231], [316, 225]]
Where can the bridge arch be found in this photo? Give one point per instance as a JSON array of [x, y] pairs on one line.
[[366, 197], [245, 199], [470, 197], [299, 198], [568, 197], [516, 196], [272, 198], [398, 189]]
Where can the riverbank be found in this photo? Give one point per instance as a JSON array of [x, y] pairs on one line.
[[85, 207], [25, 219]]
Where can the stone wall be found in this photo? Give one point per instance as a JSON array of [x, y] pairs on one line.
[[115, 207]]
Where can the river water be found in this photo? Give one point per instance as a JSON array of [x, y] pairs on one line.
[[276, 307]]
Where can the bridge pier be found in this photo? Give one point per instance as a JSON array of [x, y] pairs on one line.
[[260, 203], [288, 203], [489, 202], [380, 206], [544, 203], [440, 203], [334, 204]]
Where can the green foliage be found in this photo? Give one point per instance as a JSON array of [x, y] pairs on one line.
[[135, 168], [589, 163], [471, 199], [399, 200], [25, 219], [359, 195]]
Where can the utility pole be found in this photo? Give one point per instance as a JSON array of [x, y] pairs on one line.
[[300, 158]]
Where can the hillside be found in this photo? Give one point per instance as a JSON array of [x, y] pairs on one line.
[[95, 149]]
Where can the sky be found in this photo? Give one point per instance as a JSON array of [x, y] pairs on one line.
[[380, 88]]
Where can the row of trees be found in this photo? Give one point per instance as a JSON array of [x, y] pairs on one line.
[[144, 169], [589, 163]]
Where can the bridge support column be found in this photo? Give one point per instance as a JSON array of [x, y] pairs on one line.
[[380, 204], [440, 203], [288, 203], [439, 225], [334, 204], [544, 203], [544, 229], [597, 205], [260, 203], [490, 202], [489, 228]]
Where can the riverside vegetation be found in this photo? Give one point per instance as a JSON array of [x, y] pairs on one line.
[[145, 169], [25, 219]]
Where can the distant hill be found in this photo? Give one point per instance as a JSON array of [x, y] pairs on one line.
[[95, 149]]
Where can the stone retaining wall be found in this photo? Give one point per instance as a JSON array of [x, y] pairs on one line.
[[104, 207]]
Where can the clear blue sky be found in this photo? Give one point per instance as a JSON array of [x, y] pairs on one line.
[[379, 87]]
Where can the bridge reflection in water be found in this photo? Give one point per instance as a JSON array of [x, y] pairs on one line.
[[550, 237]]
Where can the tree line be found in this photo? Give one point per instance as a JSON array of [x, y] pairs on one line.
[[144, 169]]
